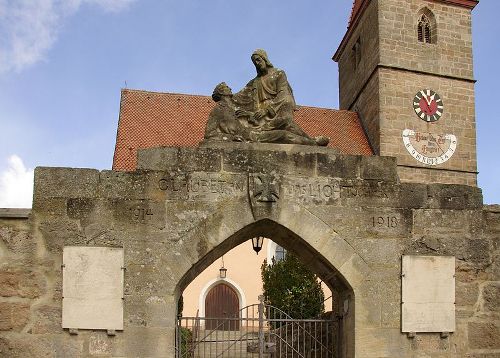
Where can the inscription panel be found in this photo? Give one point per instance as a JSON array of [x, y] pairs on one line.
[[388, 222], [199, 185], [428, 294], [138, 213], [311, 190], [92, 288]]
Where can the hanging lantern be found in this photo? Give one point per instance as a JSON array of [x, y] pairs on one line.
[[222, 270], [257, 243]]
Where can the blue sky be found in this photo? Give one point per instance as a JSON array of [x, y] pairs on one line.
[[63, 63]]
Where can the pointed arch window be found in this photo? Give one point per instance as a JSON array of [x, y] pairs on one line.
[[424, 30], [426, 26]]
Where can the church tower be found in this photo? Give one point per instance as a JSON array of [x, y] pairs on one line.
[[406, 67]]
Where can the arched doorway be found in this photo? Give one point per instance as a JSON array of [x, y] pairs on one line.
[[222, 302], [315, 243]]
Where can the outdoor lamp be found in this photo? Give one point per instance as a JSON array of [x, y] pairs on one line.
[[257, 243], [222, 270]]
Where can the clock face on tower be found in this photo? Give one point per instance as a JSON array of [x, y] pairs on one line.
[[428, 105]]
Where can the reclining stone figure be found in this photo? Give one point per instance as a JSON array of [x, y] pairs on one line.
[[260, 112]]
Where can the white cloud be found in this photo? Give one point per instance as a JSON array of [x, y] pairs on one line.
[[29, 28], [16, 185]]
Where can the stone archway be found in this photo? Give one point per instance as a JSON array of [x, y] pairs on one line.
[[298, 231]]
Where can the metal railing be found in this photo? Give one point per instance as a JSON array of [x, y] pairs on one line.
[[257, 331]]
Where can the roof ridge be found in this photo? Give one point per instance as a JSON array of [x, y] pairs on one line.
[[326, 108], [169, 93], [205, 96]]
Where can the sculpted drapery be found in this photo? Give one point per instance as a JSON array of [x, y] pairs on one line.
[[263, 110]]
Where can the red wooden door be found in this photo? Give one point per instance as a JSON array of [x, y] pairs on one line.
[[222, 303]]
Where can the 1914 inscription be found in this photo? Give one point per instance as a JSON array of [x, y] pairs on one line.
[[140, 214]]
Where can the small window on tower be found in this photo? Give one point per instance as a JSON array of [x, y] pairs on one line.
[[356, 53], [424, 29]]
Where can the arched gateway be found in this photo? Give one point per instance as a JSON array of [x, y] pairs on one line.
[[347, 217]]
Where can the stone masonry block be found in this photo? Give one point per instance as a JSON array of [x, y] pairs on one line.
[[412, 195], [179, 159], [267, 162], [339, 166], [491, 297], [21, 283], [13, 315], [379, 168], [484, 335], [65, 182], [47, 319], [452, 196]]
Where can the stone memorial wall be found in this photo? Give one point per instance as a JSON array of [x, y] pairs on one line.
[[348, 217]]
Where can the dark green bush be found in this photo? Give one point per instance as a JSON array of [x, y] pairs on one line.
[[292, 287]]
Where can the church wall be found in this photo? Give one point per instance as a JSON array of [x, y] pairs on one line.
[[354, 75], [358, 83], [451, 55], [396, 94], [192, 224]]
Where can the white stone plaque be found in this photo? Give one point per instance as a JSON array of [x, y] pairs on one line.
[[428, 299], [92, 288]]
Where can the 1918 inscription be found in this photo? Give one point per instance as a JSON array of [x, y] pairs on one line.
[[390, 222]]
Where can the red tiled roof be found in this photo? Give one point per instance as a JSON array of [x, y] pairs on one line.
[[355, 9], [153, 119]]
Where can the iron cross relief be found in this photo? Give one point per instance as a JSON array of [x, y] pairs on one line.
[[266, 188]]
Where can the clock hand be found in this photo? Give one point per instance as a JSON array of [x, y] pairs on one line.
[[429, 101], [428, 108]]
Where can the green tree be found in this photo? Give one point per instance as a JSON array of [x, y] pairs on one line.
[[292, 287]]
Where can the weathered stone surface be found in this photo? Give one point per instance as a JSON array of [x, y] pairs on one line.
[[46, 319], [57, 233], [79, 208], [484, 335], [17, 241], [24, 347], [65, 182], [430, 342], [466, 294], [379, 168], [21, 283], [449, 196], [149, 342], [491, 297], [338, 166], [413, 195], [13, 316], [264, 161], [179, 159], [101, 345]]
